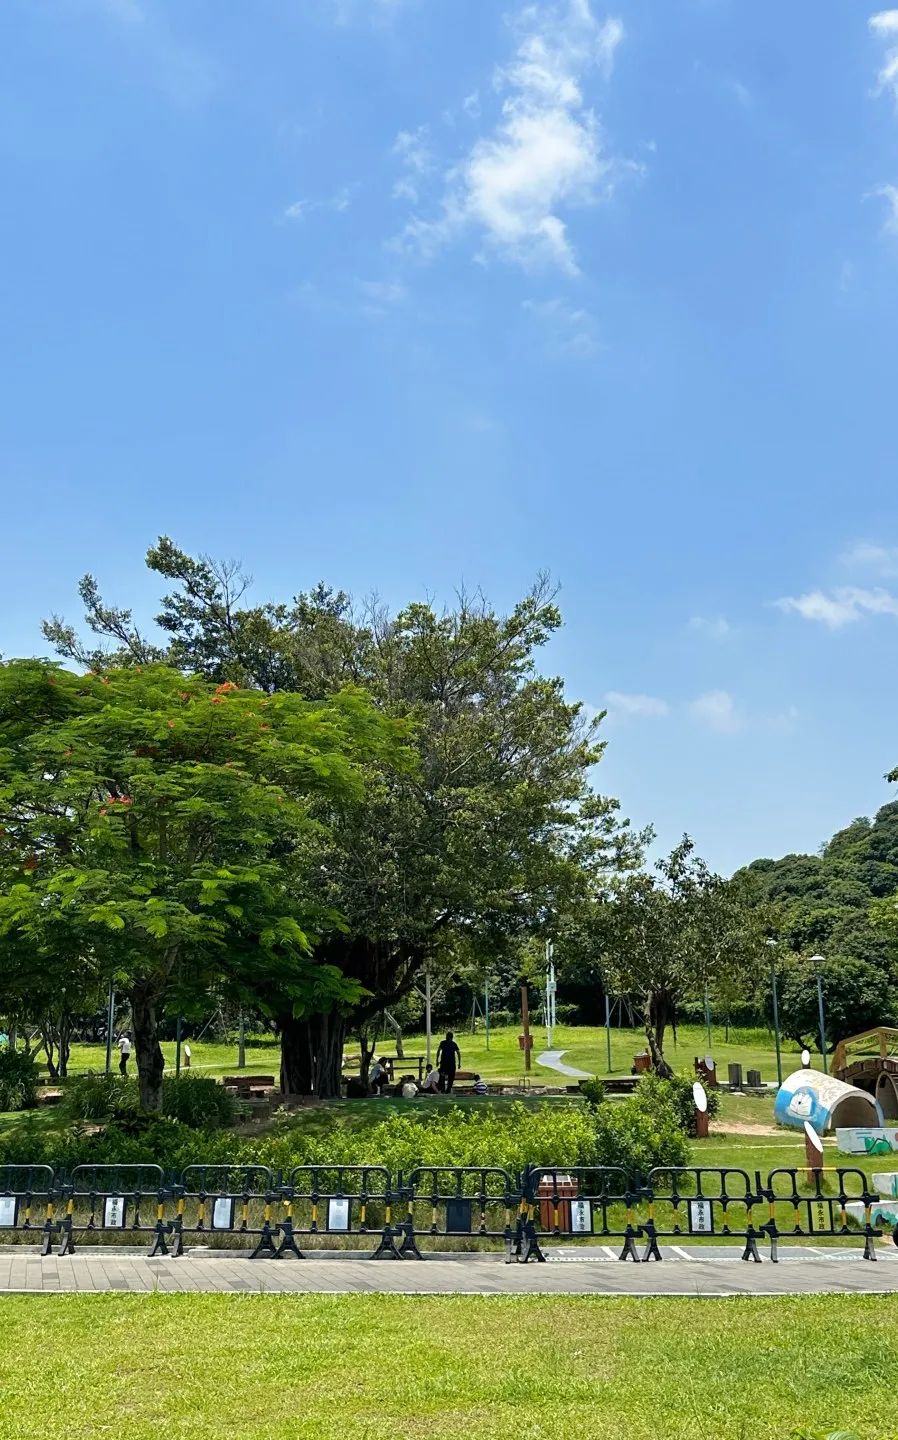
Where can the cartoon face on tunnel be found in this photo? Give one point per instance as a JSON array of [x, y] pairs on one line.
[[804, 1105]]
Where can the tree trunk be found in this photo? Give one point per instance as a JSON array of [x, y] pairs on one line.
[[397, 1034], [150, 1060], [296, 1056], [328, 1035], [659, 1064]]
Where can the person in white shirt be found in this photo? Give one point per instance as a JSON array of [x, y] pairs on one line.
[[186, 1056], [431, 1083], [379, 1078], [124, 1050]]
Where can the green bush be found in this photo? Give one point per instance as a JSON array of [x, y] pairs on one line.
[[198, 1101], [99, 1098], [18, 1080], [675, 1094], [593, 1092], [636, 1139]]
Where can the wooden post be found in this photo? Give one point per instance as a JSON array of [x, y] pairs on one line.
[[525, 1018]]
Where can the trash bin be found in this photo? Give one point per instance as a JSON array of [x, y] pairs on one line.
[[566, 1189], [642, 1063]]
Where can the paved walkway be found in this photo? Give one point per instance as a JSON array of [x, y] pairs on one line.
[[552, 1060], [708, 1272]]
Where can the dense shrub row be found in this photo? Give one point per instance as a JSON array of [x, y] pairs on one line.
[[634, 1134]]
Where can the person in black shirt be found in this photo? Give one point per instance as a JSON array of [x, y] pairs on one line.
[[448, 1059]]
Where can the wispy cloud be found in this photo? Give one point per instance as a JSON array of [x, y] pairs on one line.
[[717, 627], [412, 147], [643, 706], [545, 154], [717, 709], [842, 606], [338, 202], [569, 330], [865, 555], [381, 296], [888, 193], [884, 26]]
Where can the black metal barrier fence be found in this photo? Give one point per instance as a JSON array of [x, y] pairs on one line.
[[443, 1203]]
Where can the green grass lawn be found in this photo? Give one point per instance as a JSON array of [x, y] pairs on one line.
[[497, 1368], [585, 1047]]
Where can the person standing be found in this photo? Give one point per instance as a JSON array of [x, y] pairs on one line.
[[124, 1052], [448, 1059], [186, 1056]]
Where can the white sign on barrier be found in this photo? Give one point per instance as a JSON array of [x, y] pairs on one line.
[[701, 1218], [114, 1212], [223, 1213], [8, 1209], [581, 1217], [338, 1213]]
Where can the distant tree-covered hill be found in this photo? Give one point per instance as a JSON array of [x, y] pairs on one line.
[[826, 904]]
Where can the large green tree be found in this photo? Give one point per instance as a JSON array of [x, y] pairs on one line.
[[159, 827], [665, 936], [494, 835]]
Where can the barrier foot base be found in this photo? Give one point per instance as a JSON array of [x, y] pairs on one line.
[[651, 1251], [159, 1246], [774, 1250], [47, 1243], [386, 1250], [869, 1249], [288, 1246], [266, 1248], [408, 1250], [629, 1252], [751, 1251], [68, 1243]]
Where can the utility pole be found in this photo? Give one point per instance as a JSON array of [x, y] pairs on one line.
[[525, 1020], [817, 961], [427, 1014], [178, 1048], [110, 1021], [608, 1028], [550, 993], [486, 1010], [241, 1042], [708, 1017], [776, 1013]]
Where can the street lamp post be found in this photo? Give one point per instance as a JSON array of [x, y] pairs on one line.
[[776, 1013], [817, 961]]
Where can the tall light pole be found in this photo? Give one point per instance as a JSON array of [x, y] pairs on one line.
[[776, 1013], [817, 961]]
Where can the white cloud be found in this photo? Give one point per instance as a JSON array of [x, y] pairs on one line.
[[883, 559], [416, 157], [716, 709], [339, 201], [843, 606], [885, 27], [381, 296], [716, 626], [635, 705], [888, 193], [546, 151], [570, 330]]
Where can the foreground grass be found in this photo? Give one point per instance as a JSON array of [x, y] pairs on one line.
[[509, 1368]]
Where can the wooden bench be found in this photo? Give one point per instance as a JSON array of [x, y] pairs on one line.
[[249, 1087]]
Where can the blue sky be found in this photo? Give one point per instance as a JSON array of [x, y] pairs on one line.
[[406, 293]]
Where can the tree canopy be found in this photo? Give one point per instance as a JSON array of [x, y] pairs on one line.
[[493, 834], [155, 829]]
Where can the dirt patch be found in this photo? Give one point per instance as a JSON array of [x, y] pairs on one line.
[[742, 1127]]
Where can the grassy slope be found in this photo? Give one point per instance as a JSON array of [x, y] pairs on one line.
[[347, 1367]]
